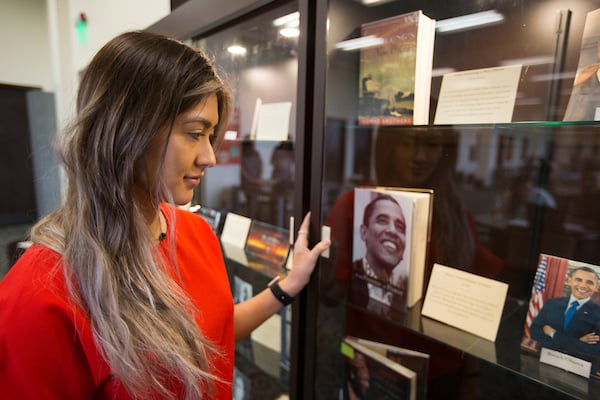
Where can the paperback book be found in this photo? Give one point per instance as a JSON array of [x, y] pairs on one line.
[[395, 71], [563, 317], [376, 370], [390, 241]]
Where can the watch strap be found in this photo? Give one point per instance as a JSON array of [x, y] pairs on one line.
[[279, 293]]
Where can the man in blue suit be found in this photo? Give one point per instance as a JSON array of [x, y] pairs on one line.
[[572, 324]]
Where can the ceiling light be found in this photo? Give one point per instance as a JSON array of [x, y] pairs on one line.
[[552, 77], [471, 21], [290, 20], [289, 32], [237, 50], [372, 2], [359, 43]]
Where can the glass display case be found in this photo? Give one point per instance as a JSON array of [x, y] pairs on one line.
[[505, 190], [255, 176]]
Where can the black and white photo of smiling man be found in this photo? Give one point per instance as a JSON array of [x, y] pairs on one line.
[[380, 245]]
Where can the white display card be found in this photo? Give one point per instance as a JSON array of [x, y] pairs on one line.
[[466, 301], [273, 121], [478, 96], [235, 230], [566, 362]]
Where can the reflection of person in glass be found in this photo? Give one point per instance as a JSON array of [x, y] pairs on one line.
[[251, 169], [426, 158], [418, 158], [358, 378], [572, 324], [383, 231]]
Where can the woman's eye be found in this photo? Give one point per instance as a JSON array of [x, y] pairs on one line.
[[195, 135]]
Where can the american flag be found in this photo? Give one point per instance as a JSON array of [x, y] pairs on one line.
[[537, 295]]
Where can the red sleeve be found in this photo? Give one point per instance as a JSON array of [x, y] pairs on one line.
[[485, 262], [43, 338], [205, 280], [341, 220]]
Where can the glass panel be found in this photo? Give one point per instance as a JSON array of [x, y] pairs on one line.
[[504, 193], [254, 177]]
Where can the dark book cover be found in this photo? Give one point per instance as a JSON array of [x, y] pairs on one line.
[[370, 375], [267, 247], [395, 70], [414, 360]]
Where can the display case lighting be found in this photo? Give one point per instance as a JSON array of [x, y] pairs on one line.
[[289, 32], [359, 43], [372, 2], [290, 20], [237, 50], [470, 21]]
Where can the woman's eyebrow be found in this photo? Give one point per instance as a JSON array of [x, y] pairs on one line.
[[197, 120]]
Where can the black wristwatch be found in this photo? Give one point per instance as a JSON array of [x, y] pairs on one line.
[[279, 293]]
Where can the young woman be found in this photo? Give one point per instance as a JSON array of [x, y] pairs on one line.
[[123, 295]]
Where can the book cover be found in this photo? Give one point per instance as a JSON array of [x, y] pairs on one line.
[[563, 318], [210, 215], [267, 247], [242, 290], [395, 74], [286, 337], [584, 101], [369, 374], [411, 359], [240, 386], [391, 232]]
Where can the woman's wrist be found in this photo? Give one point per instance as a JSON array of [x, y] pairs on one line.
[[291, 286], [280, 294]]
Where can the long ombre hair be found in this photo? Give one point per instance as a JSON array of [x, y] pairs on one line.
[[142, 321]]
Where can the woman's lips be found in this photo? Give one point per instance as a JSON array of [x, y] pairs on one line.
[[193, 180]]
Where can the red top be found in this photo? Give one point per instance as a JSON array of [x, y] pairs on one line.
[[47, 350]]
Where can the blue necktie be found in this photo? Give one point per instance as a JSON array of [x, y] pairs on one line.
[[570, 312]]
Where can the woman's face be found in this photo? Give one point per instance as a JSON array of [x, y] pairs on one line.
[[189, 150], [415, 157]]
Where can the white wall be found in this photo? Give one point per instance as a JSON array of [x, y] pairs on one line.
[[39, 48], [37, 39], [24, 44], [108, 18]]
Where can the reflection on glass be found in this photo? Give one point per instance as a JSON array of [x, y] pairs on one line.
[[259, 62], [503, 193]]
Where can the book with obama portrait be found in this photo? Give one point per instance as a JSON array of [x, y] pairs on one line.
[[562, 326], [375, 370], [391, 232]]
